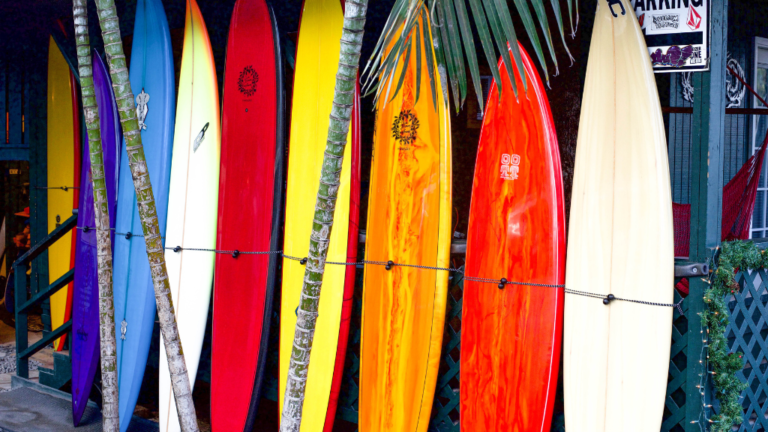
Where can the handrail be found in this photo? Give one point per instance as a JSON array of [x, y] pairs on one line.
[[23, 305]]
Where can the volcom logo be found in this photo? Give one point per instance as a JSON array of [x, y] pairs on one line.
[[616, 2], [247, 81], [200, 137], [142, 99], [510, 166], [405, 128]]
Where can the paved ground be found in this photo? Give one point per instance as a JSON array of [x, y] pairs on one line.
[[27, 410], [43, 358]]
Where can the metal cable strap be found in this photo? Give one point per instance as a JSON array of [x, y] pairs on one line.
[[501, 283]]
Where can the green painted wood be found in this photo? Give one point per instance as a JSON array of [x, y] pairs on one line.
[[48, 291], [14, 112], [22, 342], [24, 355], [747, 335], [707, 152], [41, 247], [674, 404]]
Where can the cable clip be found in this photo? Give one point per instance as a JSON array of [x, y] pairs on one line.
[[389, 265], [235, 254], [303, 261], [502, 283], [85, 229], [608, 299], [177, 249], [128, 235]]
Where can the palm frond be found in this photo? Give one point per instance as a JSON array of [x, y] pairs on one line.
[[453, 40]]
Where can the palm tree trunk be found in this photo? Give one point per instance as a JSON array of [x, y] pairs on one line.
[[113, 46], [349, 60], [110, 408]]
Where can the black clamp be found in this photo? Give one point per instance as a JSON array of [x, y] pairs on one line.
[[502, 283], [177, 249], [608, 299], [389, 265], [692, 270], [303, 261], [85, 229], [616, 2], [128, 235], [235, 254]]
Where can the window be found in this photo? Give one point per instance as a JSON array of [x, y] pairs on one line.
[[759, 227]]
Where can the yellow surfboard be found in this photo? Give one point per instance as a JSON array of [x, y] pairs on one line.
[[317, 61], [61, 172], [409, 222]]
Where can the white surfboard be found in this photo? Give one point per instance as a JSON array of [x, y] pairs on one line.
[[616, 356], [192, 203]]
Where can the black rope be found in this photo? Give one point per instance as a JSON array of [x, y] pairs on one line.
[[501, 283], [64, 188]]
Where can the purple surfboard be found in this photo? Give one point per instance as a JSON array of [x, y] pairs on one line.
[[85, 305]]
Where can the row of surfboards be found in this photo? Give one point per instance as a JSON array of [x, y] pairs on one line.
[[218, 180]]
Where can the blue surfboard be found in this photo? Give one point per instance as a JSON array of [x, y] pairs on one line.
[[153, 85]]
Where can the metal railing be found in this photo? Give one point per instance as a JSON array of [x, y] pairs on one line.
[[23, 304]]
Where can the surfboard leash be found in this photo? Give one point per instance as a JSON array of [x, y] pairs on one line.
[[389, 265]]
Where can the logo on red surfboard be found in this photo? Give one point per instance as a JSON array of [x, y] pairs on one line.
[[510, 166], [247, 81]]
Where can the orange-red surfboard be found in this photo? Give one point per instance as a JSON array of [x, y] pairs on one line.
[[510, 347], [409, 222]]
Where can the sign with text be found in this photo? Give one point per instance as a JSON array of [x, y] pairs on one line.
[[676, 32]]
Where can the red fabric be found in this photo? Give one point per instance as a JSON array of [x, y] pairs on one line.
[[738, 204], [681, 215], [683, 287]]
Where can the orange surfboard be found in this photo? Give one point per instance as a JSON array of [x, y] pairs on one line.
[[409, 218]]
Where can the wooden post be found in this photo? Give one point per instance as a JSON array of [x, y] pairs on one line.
[[707, 145], [20, 295]]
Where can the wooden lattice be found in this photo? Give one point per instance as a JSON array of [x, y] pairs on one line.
[[674, 406], [747, 335]]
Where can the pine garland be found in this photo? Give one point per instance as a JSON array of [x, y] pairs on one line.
[[735, 255]]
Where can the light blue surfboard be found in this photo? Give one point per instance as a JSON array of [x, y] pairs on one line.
[[153, 85]]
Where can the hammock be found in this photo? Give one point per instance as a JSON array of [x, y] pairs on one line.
[[738, 198], [738, 204]]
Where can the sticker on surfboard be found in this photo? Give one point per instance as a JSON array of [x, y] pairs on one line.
[[142, 99], [510, 166], [200, 137]]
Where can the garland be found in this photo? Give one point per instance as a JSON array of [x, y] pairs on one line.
[[725, 364]]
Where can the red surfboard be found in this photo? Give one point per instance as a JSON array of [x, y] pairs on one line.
[[511, 336], [250, 214], [75, 196]]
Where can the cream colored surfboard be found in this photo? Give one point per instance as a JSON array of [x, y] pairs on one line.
[[616, 357]]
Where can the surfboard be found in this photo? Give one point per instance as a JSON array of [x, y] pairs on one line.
[[616, 356], [250, 198], [85, 316], [409, 222], [192, 203], [517, 232], [317, 60], [63, 158], [154, 87]]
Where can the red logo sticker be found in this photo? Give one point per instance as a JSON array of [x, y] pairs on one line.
[[694, 19]]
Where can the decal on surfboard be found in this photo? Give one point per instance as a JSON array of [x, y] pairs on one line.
[[200, 137], [510, 166], [123, 329], [142, 99], [405, 128], [247, 81], [616, 2]]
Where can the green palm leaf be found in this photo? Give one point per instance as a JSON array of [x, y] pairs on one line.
[[454, 43]]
